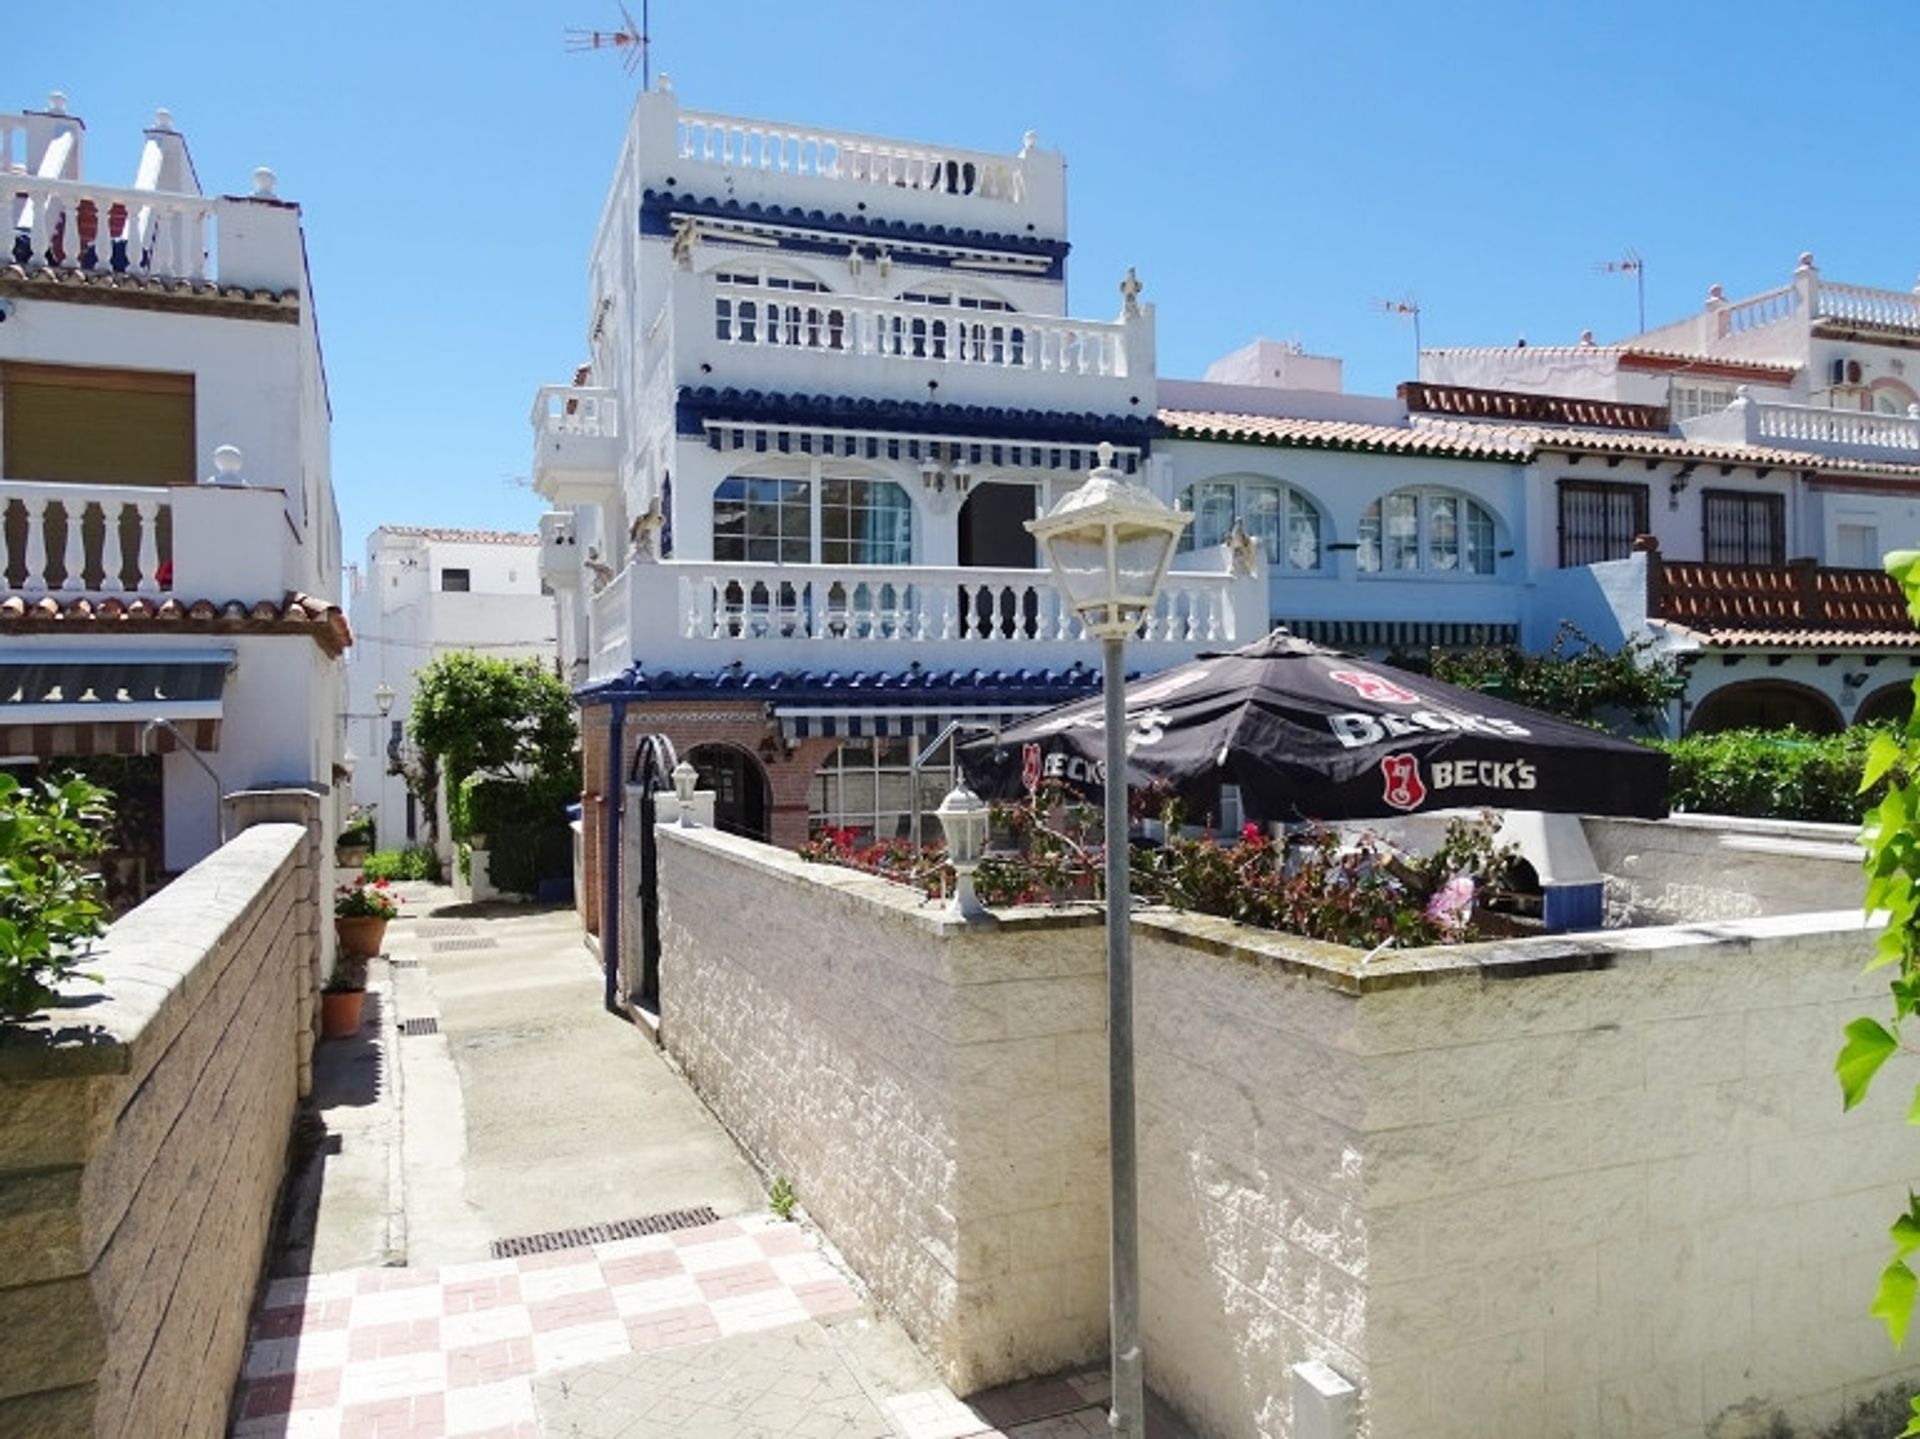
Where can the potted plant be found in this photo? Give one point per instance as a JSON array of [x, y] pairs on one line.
[[360, 914], [340, 1001], [356, 838]]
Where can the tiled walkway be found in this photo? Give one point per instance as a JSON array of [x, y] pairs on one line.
[[424, 1353]]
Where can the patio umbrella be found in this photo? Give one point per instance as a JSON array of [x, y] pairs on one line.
[[1310, 733]]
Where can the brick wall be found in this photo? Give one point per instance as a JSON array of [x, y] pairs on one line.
[[143, 1136], [935, 1093]]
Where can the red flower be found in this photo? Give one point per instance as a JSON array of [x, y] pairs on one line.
[[1250, 833]]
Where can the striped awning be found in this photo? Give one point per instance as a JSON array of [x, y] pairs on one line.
[[83, 700], [99, 737], [1403, 634], [810, 722]]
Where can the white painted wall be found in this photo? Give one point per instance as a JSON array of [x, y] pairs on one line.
[[402, 620]]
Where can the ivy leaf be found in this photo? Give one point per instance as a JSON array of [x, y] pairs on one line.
[[1894, 1301], [1913, 1423], [1867, 1048], [1906, 1231]]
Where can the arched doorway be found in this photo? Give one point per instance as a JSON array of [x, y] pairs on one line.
[[741, 802], [1765, 704], [1891, 704]]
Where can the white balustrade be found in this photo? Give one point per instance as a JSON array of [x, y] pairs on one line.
[[1759, 310], [1849, 429], [71, 541], [755, 145], [576, 410], [884, 605], [610, 626], [1883, 309], [829, 325], [76, 225]]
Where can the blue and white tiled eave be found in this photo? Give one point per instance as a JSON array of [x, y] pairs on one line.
[[858, 703], [834, 233]]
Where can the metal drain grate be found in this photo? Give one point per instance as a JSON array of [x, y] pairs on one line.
[[444, 929], [600, 1233], [411, 1027], [452, 946], [403, 964]]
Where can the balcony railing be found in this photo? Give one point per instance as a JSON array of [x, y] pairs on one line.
[[73, 541], [1758, 311], [1799, 595], [1811, 425], [784, 150], [576, 410], [78, 225], [13, 144], [1878, 309], [829, 326], [576, 437], [703, 614]]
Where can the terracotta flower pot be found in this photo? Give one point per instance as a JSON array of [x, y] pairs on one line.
[[360, 936], [340, 1012]]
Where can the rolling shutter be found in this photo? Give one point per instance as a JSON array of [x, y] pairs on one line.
[[96, 426]]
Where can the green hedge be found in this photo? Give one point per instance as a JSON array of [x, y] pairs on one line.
[[413, 862], [1772, 774], [525, 822]]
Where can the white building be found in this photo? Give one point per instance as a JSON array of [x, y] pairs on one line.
[[425, 593], [1770, 446], [171, 548], [828, 379]]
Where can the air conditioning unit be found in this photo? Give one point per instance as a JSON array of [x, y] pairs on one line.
[[1842, 371]]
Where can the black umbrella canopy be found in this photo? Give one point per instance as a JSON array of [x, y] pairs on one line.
[[1311, 733]]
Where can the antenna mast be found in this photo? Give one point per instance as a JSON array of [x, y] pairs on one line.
[[1630, 263], [1407, 307], [635, 40]]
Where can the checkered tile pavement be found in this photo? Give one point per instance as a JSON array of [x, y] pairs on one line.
[[427, 1353]]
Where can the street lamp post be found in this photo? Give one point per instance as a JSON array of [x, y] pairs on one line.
[[383, 702], [1108, 544]]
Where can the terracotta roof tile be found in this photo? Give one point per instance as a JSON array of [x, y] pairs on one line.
[[298, 614], [1653, 357], [23, 279], [1797, 606], [1479, 442]]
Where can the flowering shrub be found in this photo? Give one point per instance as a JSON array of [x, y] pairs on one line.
[[1318, 883], [52, 904], [366, 900]]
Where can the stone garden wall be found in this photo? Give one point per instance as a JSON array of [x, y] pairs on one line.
[[143, 1134], [1584, 1185]]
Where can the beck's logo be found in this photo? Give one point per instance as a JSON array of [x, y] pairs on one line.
[[1373, 687], [1030, 767], [1402, 775]]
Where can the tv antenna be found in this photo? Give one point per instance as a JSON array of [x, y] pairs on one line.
[[631, 38], [1407, 307], [1630, 263]]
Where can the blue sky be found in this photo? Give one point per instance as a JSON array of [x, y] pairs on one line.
[[1270, 168]]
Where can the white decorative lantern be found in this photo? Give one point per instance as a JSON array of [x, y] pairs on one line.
[[685, 777], [383, 698], [1108, 544], [963, 819]]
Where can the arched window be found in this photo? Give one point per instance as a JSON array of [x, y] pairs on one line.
[[1282, 519], [1434, 531]]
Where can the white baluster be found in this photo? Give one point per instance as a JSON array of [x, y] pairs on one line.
[[147, 516], [33, 558], [73, 577], [112, 552]]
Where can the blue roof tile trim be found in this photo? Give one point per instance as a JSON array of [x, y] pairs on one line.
[[700, 403], [658, 207], [852, 689]]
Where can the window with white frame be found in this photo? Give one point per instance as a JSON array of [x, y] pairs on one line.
[[867, 786], [763, 519], [773, 319], [865, 522], [1428, 531], [1686, 401], [1279, 517], [766, 518]]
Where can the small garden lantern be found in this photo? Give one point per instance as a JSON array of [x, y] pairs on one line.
[[1109, 544], [685, 777], [963, 819]]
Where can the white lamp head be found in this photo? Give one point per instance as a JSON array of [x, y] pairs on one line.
[[383, 698], [1108, 544], [963, 819], [685, 777]]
